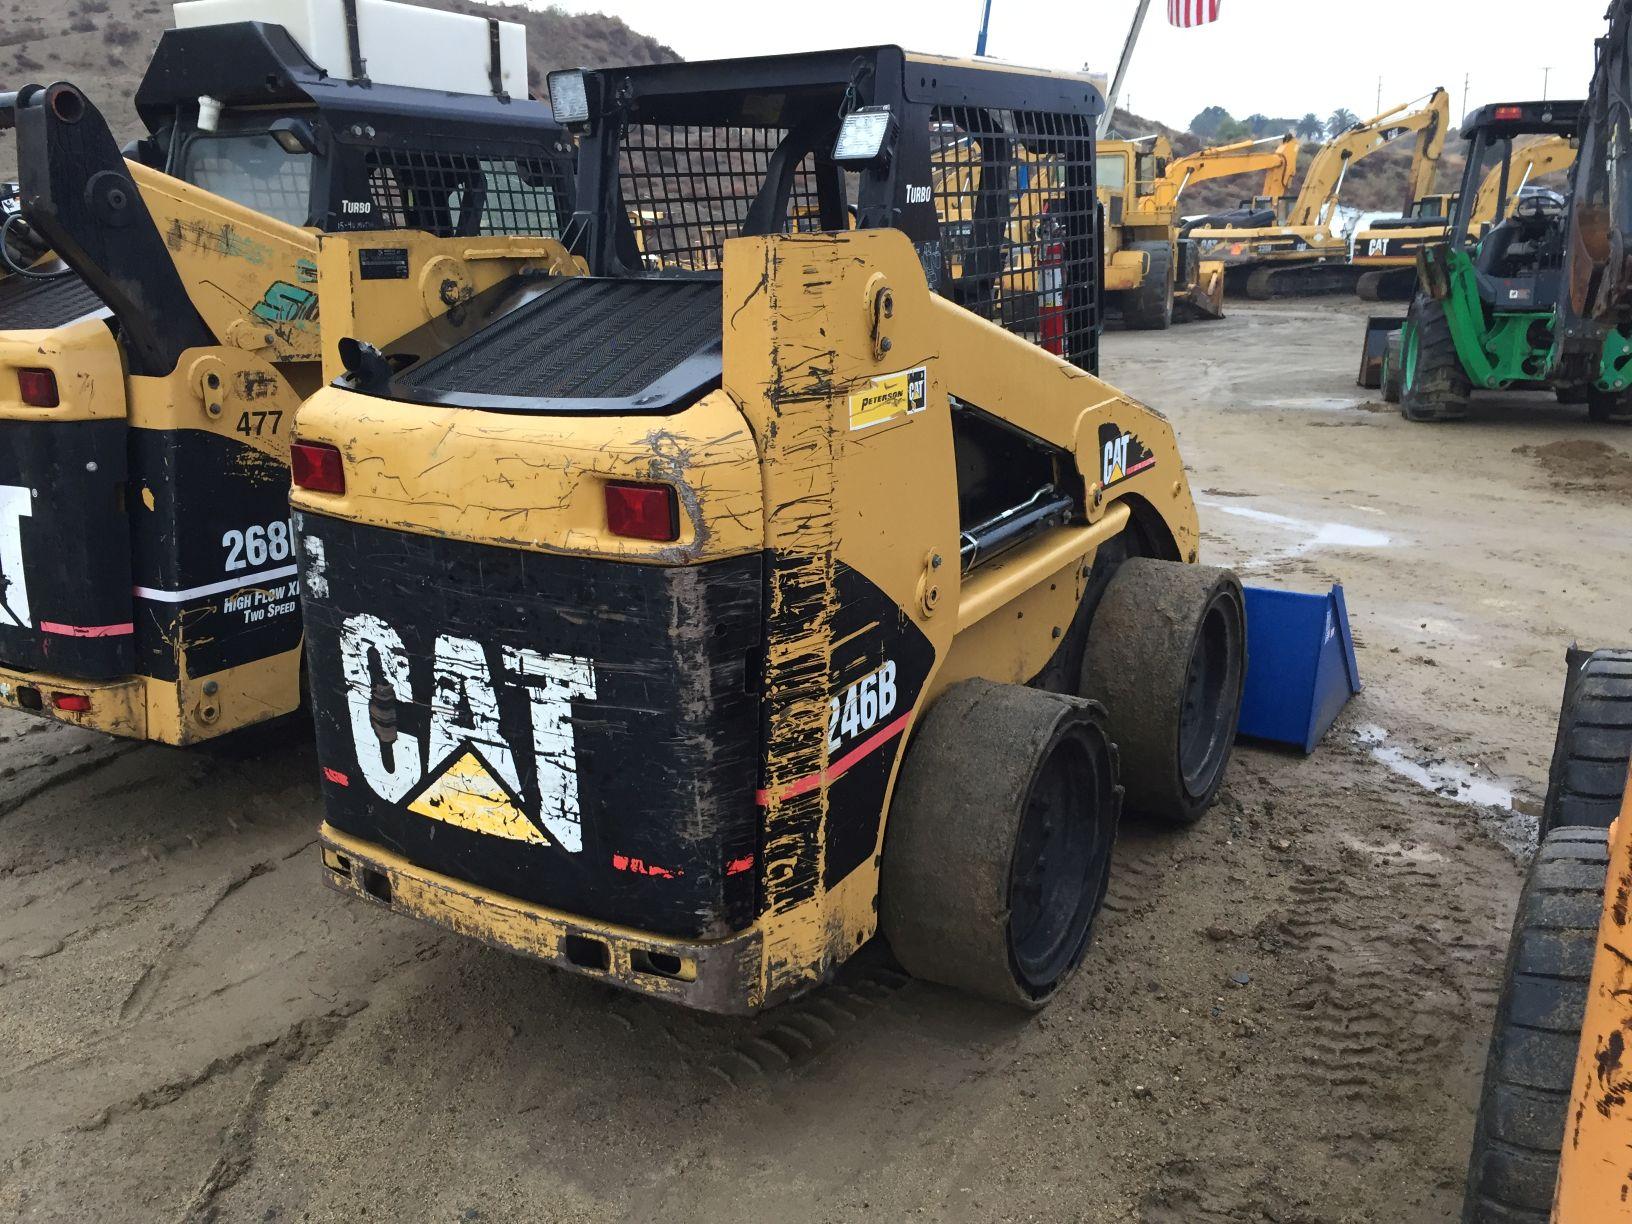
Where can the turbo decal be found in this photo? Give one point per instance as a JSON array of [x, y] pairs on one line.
[[1122, 455], [474, 782], [889, 396], [16, 504]]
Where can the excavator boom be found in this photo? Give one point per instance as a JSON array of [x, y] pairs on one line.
[[1276, 156], [1540, 157], [1321, 186]]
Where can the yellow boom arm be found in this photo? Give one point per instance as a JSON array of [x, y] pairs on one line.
[[1529, 163], [1324, 182], [1279, 163]]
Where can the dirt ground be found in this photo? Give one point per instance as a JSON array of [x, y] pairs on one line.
[[1283, 1017]]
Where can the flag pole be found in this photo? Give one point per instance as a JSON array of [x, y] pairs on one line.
[[1122, 68]]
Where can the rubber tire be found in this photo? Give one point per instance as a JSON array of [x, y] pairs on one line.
[[1392, 374], [1369, 288], [1519, 1129], [1440, 389], [1609, 407], [1575, 394], [1594, 743], [955, 823], [1137, 662], [1150, 306]]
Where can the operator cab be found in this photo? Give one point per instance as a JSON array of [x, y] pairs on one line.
[[322, 151], [1519, 260]]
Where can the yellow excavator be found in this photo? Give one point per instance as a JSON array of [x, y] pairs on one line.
[[1298, 248], [1153, 276], [1276, 156], [1387, 248]]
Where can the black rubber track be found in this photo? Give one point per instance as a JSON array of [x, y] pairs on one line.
[[1439, 388], [1165, 636], [987, 763], [1519, 1130], [1588, 775], [1150, 306]]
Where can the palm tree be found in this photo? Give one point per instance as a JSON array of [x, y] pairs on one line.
[[1341, 121], [1310, 127]]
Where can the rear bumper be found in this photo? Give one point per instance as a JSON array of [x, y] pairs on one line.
[[181, 712], [719, 976], [117, 707]]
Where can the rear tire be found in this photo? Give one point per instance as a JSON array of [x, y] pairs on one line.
[[1434, 386], [1167, 656], [1519, 1131], [1573, 394], [1150, 306], [998, 848], [1392, 376], [1594, 743], [1609, 407]]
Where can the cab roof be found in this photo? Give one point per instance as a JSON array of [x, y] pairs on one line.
[[255, 63], [911, 76], [1557, 117]]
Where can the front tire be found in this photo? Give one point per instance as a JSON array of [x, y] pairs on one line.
[[1392, 374], [998, 847], [1594, 742], [1150, 306], [1434, 386], [1609, 407], [1167, 656], [1519, 1131]]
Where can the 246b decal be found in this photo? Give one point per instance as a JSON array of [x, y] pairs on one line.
[[862, 706]]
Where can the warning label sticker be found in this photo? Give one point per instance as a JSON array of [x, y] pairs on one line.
[[889, 396]]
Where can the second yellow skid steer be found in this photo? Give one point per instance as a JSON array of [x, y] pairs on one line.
[[689, 623]]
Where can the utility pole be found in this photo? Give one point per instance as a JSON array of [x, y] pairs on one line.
[[1379, 109], [1546, 72], [985, 24], [1467, 79], [1122, 68]]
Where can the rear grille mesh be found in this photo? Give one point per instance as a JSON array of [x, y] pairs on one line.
[[27, 304], [589, 339]]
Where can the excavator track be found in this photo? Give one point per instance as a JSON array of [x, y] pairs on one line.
[[1267, 284]]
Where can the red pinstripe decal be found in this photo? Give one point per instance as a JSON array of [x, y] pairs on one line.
[[87, 631], [838, 768]]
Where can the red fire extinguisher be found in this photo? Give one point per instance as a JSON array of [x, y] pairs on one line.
[[1051, 298]]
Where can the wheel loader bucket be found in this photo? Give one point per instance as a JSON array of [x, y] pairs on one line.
[[1202, 298], [1378, 329]]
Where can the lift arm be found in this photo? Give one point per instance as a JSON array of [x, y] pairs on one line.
[[1279, 163], [1324, 182]]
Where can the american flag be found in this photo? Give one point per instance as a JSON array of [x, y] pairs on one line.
[[1186, 13]]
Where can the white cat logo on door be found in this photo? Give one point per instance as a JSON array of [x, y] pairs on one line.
[[16, 504]]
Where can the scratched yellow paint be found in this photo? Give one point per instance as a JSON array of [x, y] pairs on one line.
[[468, 796]]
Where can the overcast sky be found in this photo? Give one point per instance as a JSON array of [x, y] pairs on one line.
[[1279, 57]]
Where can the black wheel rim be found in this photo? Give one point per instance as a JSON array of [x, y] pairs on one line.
[[1061, 863], [1212, 695]]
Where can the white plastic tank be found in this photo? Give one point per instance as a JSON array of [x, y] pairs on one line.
[[401, 44]]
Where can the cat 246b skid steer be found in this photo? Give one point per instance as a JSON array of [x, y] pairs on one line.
[[688, 622], [148, 387]]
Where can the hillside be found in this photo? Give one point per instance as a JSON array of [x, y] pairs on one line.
[[103, 47], [1376, 184]]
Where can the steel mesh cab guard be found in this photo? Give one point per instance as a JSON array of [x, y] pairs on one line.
[[623, 589], [145, 551]]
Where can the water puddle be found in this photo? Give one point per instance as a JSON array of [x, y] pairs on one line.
[[1313, 536], [1452, 779], [1507, 817]]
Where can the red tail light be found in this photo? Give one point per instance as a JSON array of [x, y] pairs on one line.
[[71, 703], [1510, 112], [38, 387], [317, 466], [642, 511]]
